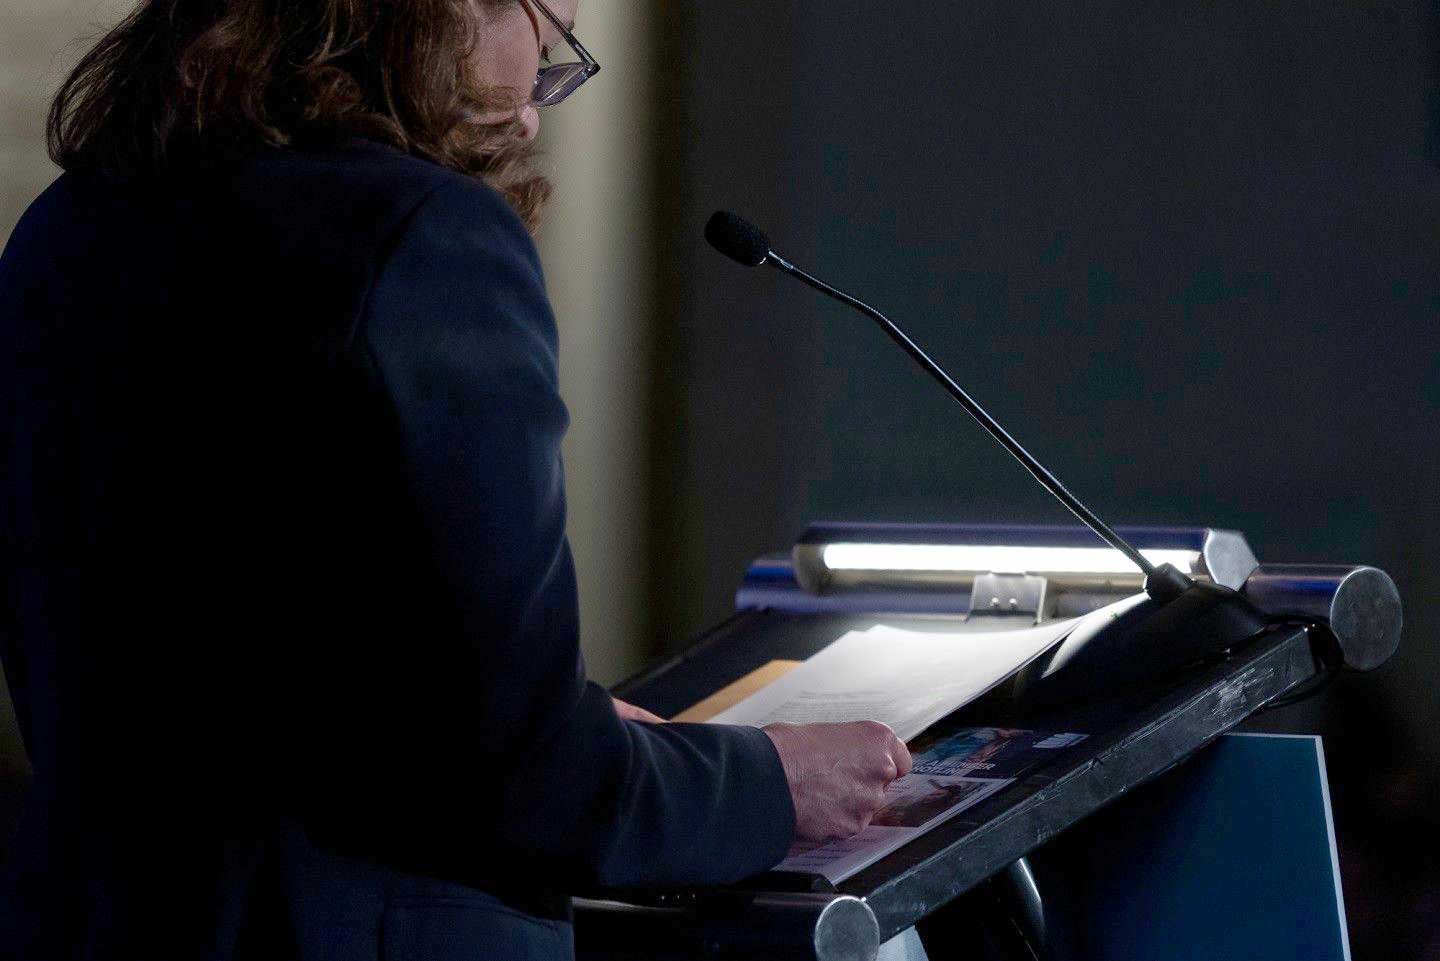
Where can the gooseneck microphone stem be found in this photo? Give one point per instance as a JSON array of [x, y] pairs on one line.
[[1038, 470]]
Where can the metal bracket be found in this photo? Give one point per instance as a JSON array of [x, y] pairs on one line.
[[1017, 884], [1008, 595]]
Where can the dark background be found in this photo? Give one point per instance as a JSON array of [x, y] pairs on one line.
[[1186, 252]]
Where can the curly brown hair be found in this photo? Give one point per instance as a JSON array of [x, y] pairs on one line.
[[199, 78]]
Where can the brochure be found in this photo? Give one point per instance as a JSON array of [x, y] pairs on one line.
[[951, 775]]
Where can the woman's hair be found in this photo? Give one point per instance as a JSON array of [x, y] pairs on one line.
[[204, 78]]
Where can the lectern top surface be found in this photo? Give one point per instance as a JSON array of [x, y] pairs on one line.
[[1131, 738]]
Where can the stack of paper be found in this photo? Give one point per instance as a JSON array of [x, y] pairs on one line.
[[907, 679]]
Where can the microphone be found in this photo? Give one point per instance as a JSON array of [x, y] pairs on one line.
[[1185, 621], [746, 244]]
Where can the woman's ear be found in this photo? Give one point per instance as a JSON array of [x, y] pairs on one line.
[[530, 119]]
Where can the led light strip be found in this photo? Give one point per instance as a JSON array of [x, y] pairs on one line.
[[998, 558]]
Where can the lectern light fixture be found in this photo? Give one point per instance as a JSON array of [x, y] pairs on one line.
[[997, 558]]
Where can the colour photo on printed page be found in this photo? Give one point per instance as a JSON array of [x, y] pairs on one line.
[[953, 774]]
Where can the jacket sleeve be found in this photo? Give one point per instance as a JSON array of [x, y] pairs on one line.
[[520, 756]]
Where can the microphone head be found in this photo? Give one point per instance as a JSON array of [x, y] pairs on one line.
[[737, 238]]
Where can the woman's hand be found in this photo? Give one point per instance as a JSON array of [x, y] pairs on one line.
[[629, 712], [838, 774]]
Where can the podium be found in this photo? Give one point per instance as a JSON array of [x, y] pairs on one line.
[[929, 577]]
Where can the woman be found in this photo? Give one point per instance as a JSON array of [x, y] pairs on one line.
[[289, 610]]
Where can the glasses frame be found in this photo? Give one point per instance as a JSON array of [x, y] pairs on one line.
[[588, 64]]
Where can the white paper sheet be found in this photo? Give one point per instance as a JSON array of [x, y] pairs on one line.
[[906, 679]]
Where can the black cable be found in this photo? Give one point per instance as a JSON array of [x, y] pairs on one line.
[[1331, 658]]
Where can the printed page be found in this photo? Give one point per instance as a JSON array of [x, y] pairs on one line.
[[906, 679]]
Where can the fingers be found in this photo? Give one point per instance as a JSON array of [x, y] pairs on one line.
[[896, 755], [876, 803], [901, 754], [630, 712]]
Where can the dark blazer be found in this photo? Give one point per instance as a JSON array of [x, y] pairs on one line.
[[288, 608]]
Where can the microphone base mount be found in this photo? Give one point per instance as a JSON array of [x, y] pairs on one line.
[[1136, 641]]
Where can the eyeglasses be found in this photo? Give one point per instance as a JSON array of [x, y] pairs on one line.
[[556, 81]]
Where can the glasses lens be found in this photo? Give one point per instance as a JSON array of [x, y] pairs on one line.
[[554, 84]]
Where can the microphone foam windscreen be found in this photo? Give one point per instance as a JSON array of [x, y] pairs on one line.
[[737, 238]]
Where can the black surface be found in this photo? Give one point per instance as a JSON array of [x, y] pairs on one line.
[[1186, 253]]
